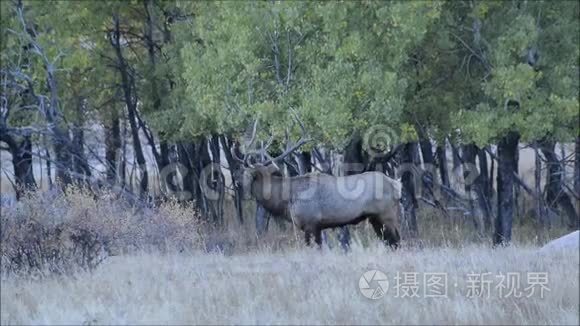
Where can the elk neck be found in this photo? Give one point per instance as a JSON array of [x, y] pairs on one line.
[[267, 188]]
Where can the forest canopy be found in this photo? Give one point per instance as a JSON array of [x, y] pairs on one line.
[[381, 82]]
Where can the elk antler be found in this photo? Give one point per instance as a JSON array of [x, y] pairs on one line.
[[303, 140], [254, 129], [244, 159], [235, 154], [287, 152], [263, 151]]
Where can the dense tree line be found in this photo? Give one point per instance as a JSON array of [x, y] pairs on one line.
[[388, 85]]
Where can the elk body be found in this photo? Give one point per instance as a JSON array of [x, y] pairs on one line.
[[317, 201]]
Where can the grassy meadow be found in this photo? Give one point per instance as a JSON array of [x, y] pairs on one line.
[[297, 286], [77, 259]]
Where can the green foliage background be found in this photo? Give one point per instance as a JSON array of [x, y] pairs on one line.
[[442, 68]]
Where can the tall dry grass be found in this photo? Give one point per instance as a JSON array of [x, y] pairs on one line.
[[165, 265], [297, 286]]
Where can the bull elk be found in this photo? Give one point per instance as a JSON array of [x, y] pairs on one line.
[[318, 201]]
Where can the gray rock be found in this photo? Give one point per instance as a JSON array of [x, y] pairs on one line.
[[568, 242]]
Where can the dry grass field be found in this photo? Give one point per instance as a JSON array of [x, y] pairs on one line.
[[164, 266], [306, 286]]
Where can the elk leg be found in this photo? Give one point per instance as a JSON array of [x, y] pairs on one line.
[[386, 231], [318, 237], [316, 232], [308, 238]]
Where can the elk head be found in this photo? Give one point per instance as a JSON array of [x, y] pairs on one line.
[[258, 165]]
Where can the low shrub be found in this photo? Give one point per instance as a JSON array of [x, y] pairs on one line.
[[57, 232]]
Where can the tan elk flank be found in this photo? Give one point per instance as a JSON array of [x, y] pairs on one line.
[[318, 201]]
